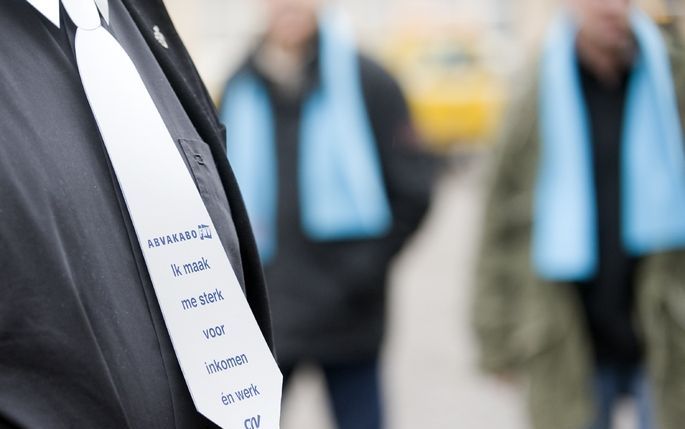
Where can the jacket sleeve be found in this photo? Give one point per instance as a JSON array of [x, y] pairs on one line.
[[503, 273], [407, 169]]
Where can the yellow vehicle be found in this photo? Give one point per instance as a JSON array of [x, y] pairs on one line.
[[454, 98]]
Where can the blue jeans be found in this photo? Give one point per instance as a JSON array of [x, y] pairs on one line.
[[611, 385], [354, 391]]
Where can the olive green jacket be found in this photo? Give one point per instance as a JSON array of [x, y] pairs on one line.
[[534, 329]]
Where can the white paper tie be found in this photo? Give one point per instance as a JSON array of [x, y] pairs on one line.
[[227, 365]]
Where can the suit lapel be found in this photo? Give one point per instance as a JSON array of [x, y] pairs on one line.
[[155, 24]]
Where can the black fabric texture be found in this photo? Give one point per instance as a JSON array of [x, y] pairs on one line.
[[609, 298], [82, 339]]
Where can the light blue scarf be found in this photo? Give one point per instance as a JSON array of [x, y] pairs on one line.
[[342, 192], [652, 160]]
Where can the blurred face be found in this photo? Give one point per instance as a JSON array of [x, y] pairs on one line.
[[291, 23], [604, 23]]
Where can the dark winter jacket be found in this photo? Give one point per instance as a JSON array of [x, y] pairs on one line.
[[536, 329], [328, 298]]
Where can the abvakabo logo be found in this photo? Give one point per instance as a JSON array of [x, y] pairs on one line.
[[203, 232]]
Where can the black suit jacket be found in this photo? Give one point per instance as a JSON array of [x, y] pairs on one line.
[[186, 81], [63, 362]]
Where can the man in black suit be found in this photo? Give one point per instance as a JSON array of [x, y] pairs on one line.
[[82, 340]]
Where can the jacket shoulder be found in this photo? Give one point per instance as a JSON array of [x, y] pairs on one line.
[[384, 99], [676, 52]]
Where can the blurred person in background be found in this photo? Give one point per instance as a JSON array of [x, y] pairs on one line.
[[327, 160], [581, 284]]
